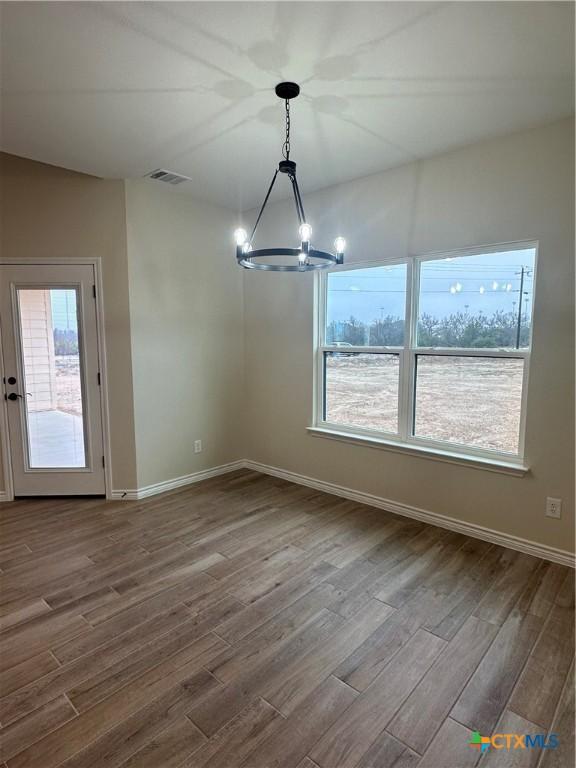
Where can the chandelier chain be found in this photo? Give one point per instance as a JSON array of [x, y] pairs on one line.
[[286, 147]]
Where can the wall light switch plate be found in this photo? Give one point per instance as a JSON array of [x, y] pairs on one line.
[[553, 507], [197, 446]]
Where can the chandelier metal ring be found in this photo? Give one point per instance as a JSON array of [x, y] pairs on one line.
[[249, 260], [307, 257]]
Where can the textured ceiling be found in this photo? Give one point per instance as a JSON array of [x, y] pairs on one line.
[[119, 89]]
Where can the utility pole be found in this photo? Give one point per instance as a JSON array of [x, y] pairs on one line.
[[519, 323]]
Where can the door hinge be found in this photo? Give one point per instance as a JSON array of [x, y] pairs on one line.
[[99, 379], [103, 461], [94, 291]]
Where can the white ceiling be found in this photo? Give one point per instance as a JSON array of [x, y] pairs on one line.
[[119, 89]]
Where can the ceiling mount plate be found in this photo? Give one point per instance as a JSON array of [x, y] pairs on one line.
[[287, 90]]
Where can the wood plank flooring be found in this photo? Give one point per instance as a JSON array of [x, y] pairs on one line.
[[246, 622]]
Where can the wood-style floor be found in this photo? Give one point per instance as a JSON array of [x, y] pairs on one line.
[[247, 622]]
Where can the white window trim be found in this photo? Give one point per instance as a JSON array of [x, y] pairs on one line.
[[404, 441]]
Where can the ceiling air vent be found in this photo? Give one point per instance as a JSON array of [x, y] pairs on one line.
[[169, 177]]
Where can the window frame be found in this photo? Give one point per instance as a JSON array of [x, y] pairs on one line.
[[405, 439]]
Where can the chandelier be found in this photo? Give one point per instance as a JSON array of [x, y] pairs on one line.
[[305, 258]]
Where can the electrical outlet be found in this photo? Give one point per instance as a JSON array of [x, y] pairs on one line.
[[553, 507], [197, 446]]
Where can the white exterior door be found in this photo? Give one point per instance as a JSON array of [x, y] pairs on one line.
[[51, 381]]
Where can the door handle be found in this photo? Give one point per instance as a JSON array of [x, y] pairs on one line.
[[15, 396]]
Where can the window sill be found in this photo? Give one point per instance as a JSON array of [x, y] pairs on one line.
[[474, 462]]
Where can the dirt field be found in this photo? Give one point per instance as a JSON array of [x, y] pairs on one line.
[[68, 389], [461, 400]]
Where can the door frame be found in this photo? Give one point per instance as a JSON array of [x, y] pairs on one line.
[[96, 263]]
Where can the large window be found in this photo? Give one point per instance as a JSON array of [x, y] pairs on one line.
[[431, 352]]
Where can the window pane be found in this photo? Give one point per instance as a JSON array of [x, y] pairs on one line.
[[366, 307], [362, 390], [482, 301], [50, 354], [473, 401]]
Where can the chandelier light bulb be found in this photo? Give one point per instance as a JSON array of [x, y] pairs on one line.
[[240, 236], [301, 258], [509, 287], [494, 286], [452, 289], [482, 289], [458, 287], [305, 232], [340, 245]]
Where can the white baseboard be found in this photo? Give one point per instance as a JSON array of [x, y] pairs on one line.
[[123, 495], [4, 497], [177, 482], [433, 518]]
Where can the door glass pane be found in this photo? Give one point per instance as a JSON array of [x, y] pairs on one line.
[[52, 385], [362, 390], [366, 307], [478, 301], [473, 401]]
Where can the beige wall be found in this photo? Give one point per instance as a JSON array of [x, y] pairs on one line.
[[514, 188], [48, 212], [187, 338]]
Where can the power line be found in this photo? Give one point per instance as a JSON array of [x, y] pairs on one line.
[[391, 290], [450, 270]]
